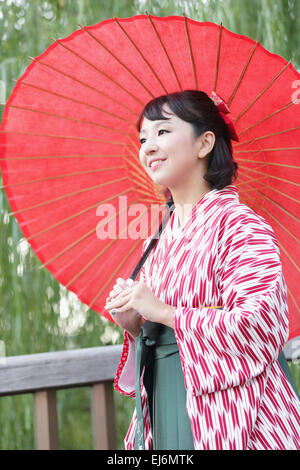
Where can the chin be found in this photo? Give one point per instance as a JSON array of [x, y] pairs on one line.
[[160, 181]]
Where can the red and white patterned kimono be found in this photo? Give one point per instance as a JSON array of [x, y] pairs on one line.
[[237, 394]]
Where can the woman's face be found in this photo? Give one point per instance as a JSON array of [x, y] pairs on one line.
[[169, 150]]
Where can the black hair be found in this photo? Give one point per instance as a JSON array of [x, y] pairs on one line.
[[198, 109]]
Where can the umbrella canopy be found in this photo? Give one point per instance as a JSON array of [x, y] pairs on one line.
[[69, 145]]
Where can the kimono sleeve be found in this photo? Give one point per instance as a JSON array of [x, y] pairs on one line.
[[220, 349]]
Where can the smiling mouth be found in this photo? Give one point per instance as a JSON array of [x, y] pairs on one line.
[[156, 163]]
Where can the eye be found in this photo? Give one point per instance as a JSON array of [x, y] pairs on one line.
[[163, 130], [142, 141]]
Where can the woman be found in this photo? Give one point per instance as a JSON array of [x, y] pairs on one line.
[[214, 283]]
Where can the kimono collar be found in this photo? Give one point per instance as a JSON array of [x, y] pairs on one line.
[[214, 196]]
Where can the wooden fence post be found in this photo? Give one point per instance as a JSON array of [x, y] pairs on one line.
[[103, 416], [46, 425]]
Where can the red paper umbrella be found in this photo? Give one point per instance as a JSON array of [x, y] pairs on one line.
[[69, 146]]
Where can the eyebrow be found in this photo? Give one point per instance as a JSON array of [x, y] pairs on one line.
[[157, 123]]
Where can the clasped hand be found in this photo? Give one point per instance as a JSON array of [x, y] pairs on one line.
[[131, 303]]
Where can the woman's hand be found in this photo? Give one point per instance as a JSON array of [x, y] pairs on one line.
[[140, 299], [130, 320]]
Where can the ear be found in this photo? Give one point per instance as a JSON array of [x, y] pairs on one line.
[[206, 143]]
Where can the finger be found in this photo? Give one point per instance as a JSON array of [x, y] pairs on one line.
[[112, 293], [121, 282], [123, 308], [119, 310], [117, 288], [130, 282], [118, 302]]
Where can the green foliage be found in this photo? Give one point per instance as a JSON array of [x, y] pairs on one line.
[[36, 313]]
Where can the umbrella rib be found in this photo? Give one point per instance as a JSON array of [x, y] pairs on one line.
[[285, 165], [250, 141], [102, 126], [99, 71], [262, 92], [293, 299], [165, 51], [289, 256], [271, 176], [135, 164], [74, 193], [191, 51], [141, 54], [119, 266], [266, 117], [115, 271], [267, 150], [82, 83], [251, 180], [256, 178], [277, 205], [218, 57], [152, 188], [133, 144], [50, 178], [143, 174], [71, 137], [80, 239], [269, 187], [119, 61], [139, 174], [141, 184], [61, 156], [30, 85], [242, 75], [100, 253], [77, 214], [138, 189]]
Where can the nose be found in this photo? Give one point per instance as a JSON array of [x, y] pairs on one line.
[[150, 146]]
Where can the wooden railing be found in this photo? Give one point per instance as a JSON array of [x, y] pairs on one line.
[[43, 374]]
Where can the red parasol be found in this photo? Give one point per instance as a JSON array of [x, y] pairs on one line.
[[69, 147]]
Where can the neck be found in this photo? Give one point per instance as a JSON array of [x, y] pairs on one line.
[[184, 201]]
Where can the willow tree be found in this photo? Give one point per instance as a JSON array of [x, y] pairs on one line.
[[36, 313]]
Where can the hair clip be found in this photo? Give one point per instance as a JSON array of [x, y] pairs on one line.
[[224, 110]]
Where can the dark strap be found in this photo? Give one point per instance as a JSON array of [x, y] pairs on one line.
[[144, 362], [145, 343], [170, 208]]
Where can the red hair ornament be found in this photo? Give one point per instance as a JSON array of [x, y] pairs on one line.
[[224, 110]]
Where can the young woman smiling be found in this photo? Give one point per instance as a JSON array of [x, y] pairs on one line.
[[213, 289]]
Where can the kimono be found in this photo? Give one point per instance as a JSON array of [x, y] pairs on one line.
[[237, 396]]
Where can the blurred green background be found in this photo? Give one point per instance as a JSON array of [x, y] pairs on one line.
[[36, 313]]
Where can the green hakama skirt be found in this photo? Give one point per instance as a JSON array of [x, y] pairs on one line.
[[171, 427], [170, 424]]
